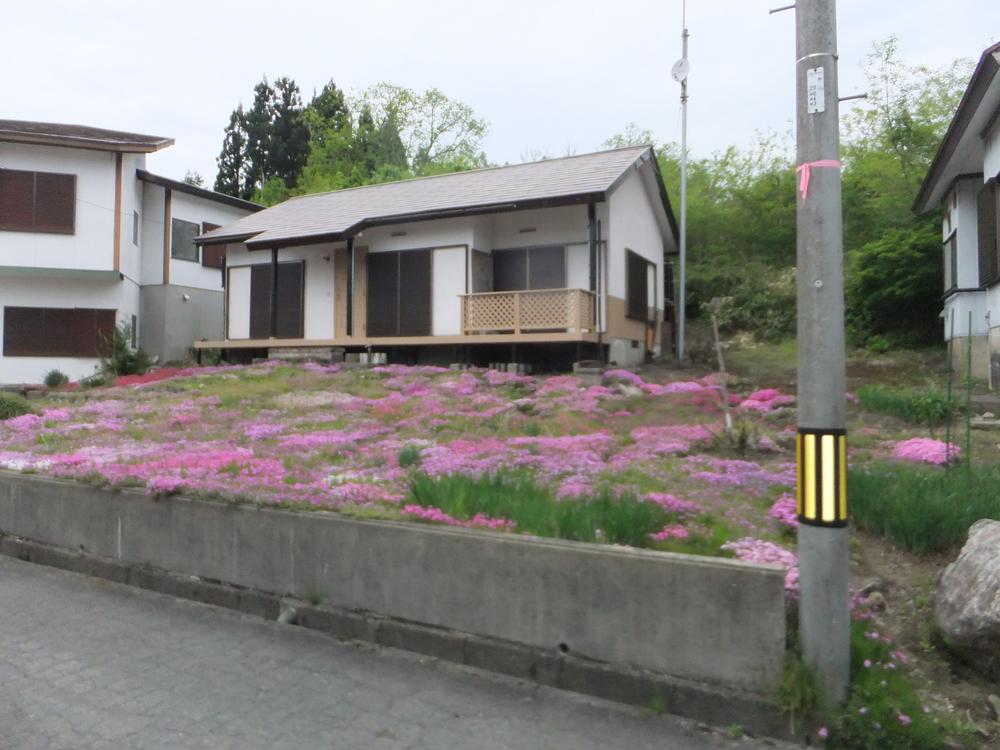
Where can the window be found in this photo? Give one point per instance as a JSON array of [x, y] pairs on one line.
[[212, 256], [529, 268], [135, 228], [57, 332], [291, 275], [399, 293], [638, 290], [950, 262], [37, 201], [987, 224], [182, 234]]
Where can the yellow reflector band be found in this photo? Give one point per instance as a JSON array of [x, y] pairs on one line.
[[821, 486]]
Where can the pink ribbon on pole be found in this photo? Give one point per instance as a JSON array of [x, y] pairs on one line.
[[804, 173]]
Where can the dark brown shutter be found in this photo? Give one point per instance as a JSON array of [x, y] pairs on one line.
[[383, 294], [636, 286], [987, 215], [23, 328], [17, 196], [547, 268], [55, 202], [415, 293], [57, 332], [510, 270], [290, 282], [212, 256], [260, 301]]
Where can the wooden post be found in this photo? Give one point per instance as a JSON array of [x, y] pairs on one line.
[[517, 312], [274, 292]]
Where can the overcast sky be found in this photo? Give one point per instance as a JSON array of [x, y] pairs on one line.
[[550, 77]]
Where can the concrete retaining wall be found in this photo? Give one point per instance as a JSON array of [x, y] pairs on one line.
[[714, 622]]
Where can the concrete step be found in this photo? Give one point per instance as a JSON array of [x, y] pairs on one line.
[[325, 354]]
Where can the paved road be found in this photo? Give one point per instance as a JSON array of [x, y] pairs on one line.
[[89, 664]]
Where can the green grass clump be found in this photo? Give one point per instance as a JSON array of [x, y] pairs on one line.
[[409, 455], [55, 379], [601, 517], [923, 509], [928, 408], [883, 710], [12, 405]]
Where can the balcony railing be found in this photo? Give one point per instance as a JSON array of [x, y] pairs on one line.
[[567, 310]]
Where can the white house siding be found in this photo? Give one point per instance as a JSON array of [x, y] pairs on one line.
[[318, 307], [26, 291], [448, 278], [132, 195], [198, 210], [91, 245], [151, 234]]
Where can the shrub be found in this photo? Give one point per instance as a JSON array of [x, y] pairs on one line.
[[122, 359], [409, 455], [55, 378], [928, 408], [923, 509], [12, 405], [759, 299]]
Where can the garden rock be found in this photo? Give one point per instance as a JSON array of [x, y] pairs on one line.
[[967, 599]]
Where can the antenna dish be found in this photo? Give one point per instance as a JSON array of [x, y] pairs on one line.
[[680, 70]]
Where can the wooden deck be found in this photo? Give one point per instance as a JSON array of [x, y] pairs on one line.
[[363, 342]]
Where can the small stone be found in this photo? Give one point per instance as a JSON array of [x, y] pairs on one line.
[[874, 585], [876, 601], [988, 415], [994, 701]]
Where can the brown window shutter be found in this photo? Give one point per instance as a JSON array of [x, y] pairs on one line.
[[987, 224], [212, 256], [55, 202], [23, 329], [290, 282], [104, 326], [17, 197], [260, 301], [61, 337]]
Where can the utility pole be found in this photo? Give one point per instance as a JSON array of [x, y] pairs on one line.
[[824, 608], [680, 74]]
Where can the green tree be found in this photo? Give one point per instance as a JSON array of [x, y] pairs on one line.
[[289, 136], [259, 123], [232, 178]]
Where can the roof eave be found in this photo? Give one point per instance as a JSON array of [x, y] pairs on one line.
[[522, 205], [37, 139], [982, 77], [198, 192]]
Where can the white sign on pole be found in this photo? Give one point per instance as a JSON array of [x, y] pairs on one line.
[[815, 93]]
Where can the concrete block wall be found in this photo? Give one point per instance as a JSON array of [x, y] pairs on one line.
[[710, 621]]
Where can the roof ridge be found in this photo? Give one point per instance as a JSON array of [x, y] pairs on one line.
[[495, 167]]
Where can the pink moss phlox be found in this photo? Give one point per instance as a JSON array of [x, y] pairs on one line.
[[496, 378], [753, 550], [734, 472], [24, 423], [262, 430], [164, 485], [686, 386], [623, 376], [317, 367], [676, 531], [574, 487], [672, 503], [784, 511], [766, 400], [56, 415], [925, 450], [479, 521]]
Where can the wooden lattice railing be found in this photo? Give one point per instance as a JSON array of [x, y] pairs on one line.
[[569, 310]]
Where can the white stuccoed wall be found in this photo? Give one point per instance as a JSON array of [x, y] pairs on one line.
[[448, 278], [633, 227], [198, 210], [55, 292], [91, 246]]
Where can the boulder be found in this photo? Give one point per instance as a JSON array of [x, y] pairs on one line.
[[967, 600]]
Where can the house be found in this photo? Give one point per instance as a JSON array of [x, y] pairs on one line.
[[90, 239], [962, 180], [534, 263]]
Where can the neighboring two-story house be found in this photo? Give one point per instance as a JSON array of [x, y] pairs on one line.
[[89, 239], [963, 180], [539, 263]]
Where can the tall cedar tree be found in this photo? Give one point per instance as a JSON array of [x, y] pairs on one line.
[[259, 127], [330, 109], [232, 160], [289, 136]]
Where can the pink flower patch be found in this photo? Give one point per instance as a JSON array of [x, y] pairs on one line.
[[675, 531], [926, 450], [785, 511]]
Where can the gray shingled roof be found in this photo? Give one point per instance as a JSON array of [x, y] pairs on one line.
[[79, 136], [343, 213]]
